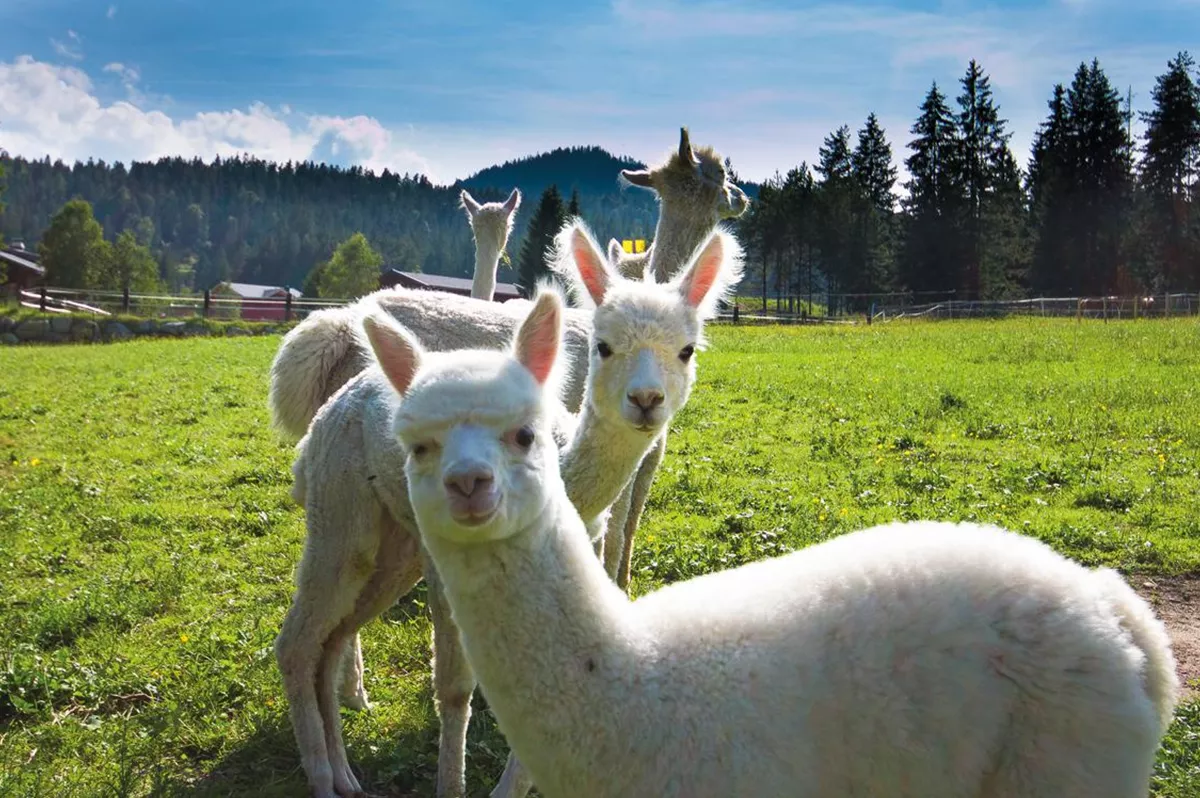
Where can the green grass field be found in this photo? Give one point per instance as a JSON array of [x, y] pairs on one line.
[[147, 539]]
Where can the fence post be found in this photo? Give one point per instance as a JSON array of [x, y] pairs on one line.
[[207, 302], [287, 304], [42, 301], [735, 312], [125, 299]]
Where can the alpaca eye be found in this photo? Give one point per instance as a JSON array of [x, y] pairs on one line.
[[525, 437], [603, 349], [686, 353], [420, 449]]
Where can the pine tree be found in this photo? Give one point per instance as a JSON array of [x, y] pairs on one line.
[[1170, 222], [873, 251], [1049, 182], [983, 156], [929, 258], [1100, 168], [838, 192], [547, 220], [573, 207], [73, 249]]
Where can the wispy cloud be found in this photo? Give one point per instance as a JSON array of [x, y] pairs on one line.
[[72, 48], [112, 12]]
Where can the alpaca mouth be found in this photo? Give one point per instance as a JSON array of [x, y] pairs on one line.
[[474, 510]]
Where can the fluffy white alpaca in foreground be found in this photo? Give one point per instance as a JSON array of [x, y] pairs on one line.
[[491, 225], [926, 660], [360, 554]]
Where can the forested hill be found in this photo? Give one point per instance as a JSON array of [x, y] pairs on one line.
[[253, 221]]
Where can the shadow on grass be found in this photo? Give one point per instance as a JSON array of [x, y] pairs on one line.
[[402, 766]]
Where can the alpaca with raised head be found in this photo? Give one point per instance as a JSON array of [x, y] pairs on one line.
[[917, 660], [491, 224], [361, 554]]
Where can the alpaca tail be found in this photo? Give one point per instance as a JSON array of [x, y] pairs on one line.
[[316, 358], [1150, 635]]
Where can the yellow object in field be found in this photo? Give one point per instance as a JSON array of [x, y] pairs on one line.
[[634, 245]]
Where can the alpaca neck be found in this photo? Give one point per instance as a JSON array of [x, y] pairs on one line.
[[548, 636], [680, 230], [600, 460], [487, 261]]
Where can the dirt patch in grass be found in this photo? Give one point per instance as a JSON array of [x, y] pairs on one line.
[[1176, 600]]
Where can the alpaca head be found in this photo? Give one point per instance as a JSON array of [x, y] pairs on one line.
[[693, 179], [475, 424], [491, 222], [644, 334]]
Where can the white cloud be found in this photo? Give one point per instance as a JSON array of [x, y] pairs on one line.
[[54, 110], [112, 12]]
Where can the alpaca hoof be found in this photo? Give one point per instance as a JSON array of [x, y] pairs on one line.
[[357, 702]]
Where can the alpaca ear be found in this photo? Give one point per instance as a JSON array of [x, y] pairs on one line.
[[538, 339], [397, 351], [469, 203], [579, 259], [638, 177], [686, 154], [714, 271], [615, 250], [514, 200]]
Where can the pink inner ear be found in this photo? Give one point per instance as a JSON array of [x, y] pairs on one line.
[[705, 272], [396, 356], [537, 346], [591, 269]]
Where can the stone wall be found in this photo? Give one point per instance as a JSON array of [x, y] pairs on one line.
[[73, 329]]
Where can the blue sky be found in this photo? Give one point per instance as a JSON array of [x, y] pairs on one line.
[[449, 87]]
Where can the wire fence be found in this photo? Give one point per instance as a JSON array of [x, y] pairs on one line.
[[289, 308], [206, 305]]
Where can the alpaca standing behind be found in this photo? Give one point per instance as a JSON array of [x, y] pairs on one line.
[[360, 553], [919, 660], [491, 225]]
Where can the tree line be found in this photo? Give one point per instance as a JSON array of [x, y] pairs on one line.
[[253, 221], [1098, 211]]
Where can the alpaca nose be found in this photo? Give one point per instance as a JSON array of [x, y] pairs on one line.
[[465, 481], [646, 399]]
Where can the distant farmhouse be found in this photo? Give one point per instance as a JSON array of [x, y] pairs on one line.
[[258, 302], [437, 282], [21, 269]]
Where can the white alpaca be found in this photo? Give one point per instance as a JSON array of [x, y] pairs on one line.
[[491, 224], [361, 554], [324, 351], [922, 660]]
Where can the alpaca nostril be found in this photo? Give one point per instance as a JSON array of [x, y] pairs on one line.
[[646, 399], [465, 483]]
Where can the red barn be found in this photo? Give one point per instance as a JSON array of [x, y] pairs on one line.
[[258, 302]]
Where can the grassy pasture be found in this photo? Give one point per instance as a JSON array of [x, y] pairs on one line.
[[147, 539]]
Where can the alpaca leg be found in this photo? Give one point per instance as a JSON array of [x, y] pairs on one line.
[[453, 683], [515, 781], [640, 493], [614, 537], [353, 693], [344, 781], [397, 570], [326, 593]]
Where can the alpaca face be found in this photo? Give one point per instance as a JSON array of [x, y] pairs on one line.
[[693, 178], [474, 425], [478, 448], [644, 334]]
